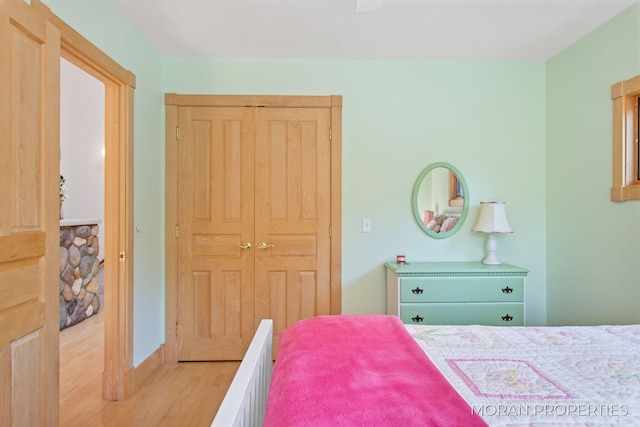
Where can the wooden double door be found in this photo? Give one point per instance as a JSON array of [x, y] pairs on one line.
[[254, 222]]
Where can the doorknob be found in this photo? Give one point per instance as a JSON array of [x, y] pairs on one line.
[[264, 245], [246, 246]]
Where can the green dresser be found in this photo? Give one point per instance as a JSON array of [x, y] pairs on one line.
[[456, 293]]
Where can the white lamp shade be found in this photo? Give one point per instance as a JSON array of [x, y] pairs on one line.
[[492, 218]]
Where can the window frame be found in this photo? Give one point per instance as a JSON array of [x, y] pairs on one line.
[[625, 97]]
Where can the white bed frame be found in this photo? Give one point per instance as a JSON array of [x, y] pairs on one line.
[[245, 403]]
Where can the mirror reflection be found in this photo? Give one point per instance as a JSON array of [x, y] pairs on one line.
[[440, 200]]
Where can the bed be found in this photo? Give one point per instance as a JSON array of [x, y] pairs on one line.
[[371, 370]]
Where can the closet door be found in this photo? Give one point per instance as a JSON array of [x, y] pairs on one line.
[[293, 214], [254, 200], [215, 228]]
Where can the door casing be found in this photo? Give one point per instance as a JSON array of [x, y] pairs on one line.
[[117, 383]]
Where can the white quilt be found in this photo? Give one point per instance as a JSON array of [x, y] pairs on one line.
[[541, 376]]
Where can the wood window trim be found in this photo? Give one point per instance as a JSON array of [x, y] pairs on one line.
[[625, 96]]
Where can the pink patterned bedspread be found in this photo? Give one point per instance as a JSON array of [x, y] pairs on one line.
[[359, 370], [541, 376]]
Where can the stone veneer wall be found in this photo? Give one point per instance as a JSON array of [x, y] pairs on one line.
[[79, 266]]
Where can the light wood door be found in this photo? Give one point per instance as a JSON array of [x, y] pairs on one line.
[[293, 214], [215, 218], [258, 176], [29, 159]]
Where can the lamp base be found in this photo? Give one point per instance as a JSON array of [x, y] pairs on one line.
[[492, 248], [491, 260]]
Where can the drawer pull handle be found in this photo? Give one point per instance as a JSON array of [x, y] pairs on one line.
[[417, 290], [417, 319], [507, 290], [507, 318]]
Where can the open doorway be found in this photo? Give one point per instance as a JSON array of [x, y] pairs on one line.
[[82, 159]]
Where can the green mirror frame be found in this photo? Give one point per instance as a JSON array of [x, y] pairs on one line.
[[416, 190]]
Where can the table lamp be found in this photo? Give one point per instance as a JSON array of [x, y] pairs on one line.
[[492, 220]]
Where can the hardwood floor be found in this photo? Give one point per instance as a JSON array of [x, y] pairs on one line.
[[185, 394]]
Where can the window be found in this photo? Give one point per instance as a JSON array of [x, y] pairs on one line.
[[626, 153]]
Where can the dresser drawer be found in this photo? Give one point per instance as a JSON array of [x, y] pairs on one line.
[[508, 314], [462, 289]]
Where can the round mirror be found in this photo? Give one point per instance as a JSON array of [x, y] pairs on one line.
[[440, 200]]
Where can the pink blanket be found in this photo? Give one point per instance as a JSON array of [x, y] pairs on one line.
[[359, 370]]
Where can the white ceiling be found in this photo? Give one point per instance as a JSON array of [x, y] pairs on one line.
[[447, 30]]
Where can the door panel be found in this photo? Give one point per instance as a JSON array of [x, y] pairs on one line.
[[293, 214], [215, 217], [29, 84]]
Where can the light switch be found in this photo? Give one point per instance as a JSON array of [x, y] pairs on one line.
[[137, 230], [366, 225]]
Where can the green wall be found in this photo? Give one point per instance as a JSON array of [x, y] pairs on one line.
[[593, 256], [487, 119]]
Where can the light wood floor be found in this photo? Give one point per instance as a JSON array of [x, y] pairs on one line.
[[183, 394]]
